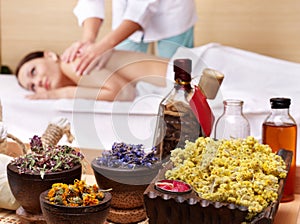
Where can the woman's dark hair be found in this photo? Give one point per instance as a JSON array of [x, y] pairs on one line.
[[29, 57]]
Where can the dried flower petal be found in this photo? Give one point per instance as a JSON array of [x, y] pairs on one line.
[[42, 160], [124, 155]]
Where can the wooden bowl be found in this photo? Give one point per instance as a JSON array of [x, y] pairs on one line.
[[56, 214], [128, 186], [127, 216], [27, 188]]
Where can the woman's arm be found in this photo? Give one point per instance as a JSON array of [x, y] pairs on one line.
[[91, 28], [124, 93], [90, 31], [90, 15]]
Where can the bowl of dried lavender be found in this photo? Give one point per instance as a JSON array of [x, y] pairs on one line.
[[75, 203], [31, 174], [127, 169]]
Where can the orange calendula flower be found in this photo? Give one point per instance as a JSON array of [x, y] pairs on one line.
[[73, 195]]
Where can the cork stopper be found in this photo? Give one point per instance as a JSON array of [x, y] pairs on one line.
[[210, 82]]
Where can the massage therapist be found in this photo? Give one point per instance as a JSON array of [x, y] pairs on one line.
[[135, 24]]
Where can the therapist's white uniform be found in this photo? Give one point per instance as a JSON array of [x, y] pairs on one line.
[[168, 20]]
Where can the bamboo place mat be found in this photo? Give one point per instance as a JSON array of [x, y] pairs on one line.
[[7, 216], [10, 217]]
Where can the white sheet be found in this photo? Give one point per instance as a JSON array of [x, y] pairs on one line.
[[95, 124], [249, 76]]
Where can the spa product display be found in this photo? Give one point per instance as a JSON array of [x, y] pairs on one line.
[[184, 113], [127, 169], [232, 123], [31, 174], [279, 130], [75, 203], [233, 181]]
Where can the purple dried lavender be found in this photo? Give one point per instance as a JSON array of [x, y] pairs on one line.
[[48, 159], [124, 155]]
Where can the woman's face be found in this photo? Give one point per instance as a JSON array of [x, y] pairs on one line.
[[42, 74]]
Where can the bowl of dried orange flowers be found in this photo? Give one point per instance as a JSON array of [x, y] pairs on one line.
[[76, 203]]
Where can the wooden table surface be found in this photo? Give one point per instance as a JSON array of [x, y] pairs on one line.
[[288, 212]]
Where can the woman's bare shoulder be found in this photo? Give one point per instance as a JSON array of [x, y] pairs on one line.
[[68, 70]]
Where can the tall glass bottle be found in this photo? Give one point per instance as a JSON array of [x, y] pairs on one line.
[[279, 131], [176, 120], [232, 123]]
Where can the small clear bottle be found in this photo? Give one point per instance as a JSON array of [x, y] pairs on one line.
[[176, 120], [232, 123], [279, 131]]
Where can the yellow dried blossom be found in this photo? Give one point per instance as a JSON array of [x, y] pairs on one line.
[[77, 194], [240, 171]]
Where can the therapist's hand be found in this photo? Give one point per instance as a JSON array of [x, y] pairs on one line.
[[91, 27], [75, 50], [94, 57]]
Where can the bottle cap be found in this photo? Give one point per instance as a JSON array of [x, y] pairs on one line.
[[280, 103], [182, 69], [210, 82]]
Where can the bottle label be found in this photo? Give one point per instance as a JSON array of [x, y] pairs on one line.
[[202, 111]]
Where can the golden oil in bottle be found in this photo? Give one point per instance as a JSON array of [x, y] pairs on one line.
[[279, 131]]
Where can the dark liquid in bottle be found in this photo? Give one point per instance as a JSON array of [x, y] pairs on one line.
[[176, 127], [283, 137]]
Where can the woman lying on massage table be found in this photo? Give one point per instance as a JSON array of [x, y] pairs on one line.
[[50, 78]]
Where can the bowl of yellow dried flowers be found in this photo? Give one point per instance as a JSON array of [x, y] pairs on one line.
[[234, 181], [31, 174], [77, 203]]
